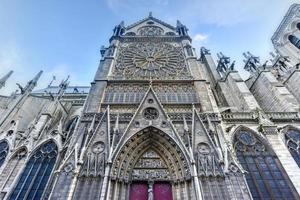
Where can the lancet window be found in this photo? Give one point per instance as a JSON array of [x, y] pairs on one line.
[[11, 170], [35, 176], [3, 151], [292, 139], [295, 41]]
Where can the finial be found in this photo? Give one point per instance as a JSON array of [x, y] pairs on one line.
[[62, 87], [91, 128], [179, 23], [4, 79], [53, 79], [116, 128], [150, 14], [31, 84], [36, 78], [150, 82], [185, 126]]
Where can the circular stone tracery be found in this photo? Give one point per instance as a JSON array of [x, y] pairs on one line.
[[150, 60], [150, 113]]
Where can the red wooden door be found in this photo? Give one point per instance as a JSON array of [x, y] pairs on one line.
[[138, 191], [162, 191]]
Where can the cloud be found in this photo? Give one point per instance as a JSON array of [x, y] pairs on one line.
[[200, 37], [125, 5], [217, 12], [11, 59]]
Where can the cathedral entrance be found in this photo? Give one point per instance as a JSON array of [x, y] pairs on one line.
[[150, 166], [150, 191]]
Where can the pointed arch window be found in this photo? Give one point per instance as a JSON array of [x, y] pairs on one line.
[[36, 174], [292, 139], [11, 170], [295, 41], [3, 151], [265, 176]]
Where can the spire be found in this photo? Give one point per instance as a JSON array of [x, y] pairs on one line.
[[53, 79], [31, 84], [119, 29], [4, 79], [62, 87], [181, 29], [179, 23]]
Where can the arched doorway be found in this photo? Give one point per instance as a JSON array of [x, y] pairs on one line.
[[151, 165]]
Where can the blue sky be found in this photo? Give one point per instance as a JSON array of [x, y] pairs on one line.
[[63, 37]]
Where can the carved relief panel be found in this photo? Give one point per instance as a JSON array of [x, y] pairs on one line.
[[150, 167]]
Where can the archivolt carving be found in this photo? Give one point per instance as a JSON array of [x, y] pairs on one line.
[[176, 166]]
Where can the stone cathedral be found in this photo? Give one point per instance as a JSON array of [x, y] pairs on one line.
[[159, 123]]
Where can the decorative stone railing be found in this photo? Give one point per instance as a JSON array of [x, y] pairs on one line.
[[239, 116], [283, 116]]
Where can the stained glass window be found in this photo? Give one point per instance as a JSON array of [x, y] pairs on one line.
[[36, 174], [292, 138], [3, 151], [11, 171], [295, 41], [264, 174]]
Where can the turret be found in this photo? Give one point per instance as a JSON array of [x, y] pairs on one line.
[[181, 29], [119, 29]]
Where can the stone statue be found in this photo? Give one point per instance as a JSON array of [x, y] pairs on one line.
[[150, 191]]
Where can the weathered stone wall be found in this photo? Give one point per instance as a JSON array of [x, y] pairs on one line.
[[272, 95]]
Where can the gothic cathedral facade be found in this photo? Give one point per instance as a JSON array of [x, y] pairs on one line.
[[159, 123]]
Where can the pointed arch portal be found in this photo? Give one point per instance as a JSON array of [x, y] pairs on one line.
[[151, 161]]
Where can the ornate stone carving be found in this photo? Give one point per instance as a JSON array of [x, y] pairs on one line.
[[247, 142], [98, 147], [68, 167], [151, 60], [150, 31], [203, 148], [150, 113], [246, 138], [150, 166]]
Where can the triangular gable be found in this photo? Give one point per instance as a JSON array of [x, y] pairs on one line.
[[100, 135], [70, 162], [97, 148], [200, 133], [150, 25], [150, 18], [142, 119], [207, 161]]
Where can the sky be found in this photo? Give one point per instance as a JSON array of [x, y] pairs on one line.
[[63, 37]]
